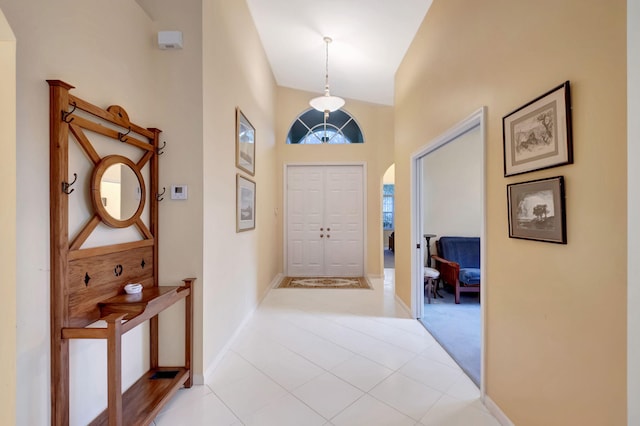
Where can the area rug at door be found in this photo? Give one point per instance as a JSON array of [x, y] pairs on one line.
[[324, 282]]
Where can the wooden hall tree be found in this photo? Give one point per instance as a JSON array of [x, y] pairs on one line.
[[88, 279]]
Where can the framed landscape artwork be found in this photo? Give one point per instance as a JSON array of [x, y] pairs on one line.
[[245, 144], [245, 204], [538, 135], [537, 210]]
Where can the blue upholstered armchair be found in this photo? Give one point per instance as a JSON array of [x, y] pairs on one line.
[[458, 261]]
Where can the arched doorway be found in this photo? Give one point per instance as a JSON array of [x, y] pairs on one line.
[[388, 217]]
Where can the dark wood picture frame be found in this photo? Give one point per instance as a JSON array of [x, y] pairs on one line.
[[245, 144], [536, 210], [245, 204], [538, 135]]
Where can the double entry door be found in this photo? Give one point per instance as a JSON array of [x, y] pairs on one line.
[[325, 216]]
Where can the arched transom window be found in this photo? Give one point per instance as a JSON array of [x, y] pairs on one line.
[[313, 127]]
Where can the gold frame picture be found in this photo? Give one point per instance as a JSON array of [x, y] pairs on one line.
[[245, 204], [245, 144]]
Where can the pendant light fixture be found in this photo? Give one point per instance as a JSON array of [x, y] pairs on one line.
[[327, 103]]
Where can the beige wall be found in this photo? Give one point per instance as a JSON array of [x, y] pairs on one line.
[[190, 94], [633, 196], [106, 70], [376, 123], [186, 93], [555, 342], [8, 220], [552, 341], [239, 267], [452, 188], [389, 176], [158, 89], [178, 101]]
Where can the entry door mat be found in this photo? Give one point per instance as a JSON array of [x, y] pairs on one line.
[[324, 282]]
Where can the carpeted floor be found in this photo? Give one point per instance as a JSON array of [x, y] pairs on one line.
[[324, 282], [456, 328]]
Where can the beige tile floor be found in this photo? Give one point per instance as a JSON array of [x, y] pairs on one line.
[[332, 357]]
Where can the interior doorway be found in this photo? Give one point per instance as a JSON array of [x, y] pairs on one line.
[[448, 200], [388, 217], [325, 220]]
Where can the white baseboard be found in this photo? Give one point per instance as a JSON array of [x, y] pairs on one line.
[[212, 366], [404, 306], [198, 379], [209, 370], [276, 280], [497, 412]]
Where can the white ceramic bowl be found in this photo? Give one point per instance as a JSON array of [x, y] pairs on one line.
[[133, 288]]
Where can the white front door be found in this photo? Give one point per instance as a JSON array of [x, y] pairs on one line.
[[325, 232]]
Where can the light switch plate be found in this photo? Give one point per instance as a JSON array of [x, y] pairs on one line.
[[179, 192]]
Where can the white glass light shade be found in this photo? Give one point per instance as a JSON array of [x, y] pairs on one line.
[[327, 103]]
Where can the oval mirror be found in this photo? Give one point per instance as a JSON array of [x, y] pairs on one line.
[[118, 191]]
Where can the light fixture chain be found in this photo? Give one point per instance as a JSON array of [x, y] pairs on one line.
[[326, 75], [326, 103]]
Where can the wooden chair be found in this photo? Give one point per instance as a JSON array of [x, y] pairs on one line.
[[458, 261]]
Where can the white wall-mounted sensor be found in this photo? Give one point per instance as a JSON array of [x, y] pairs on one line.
[[170, 40], [179, 192]]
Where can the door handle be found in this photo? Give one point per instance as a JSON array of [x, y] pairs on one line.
[[321, 235], [322, 229], [328, 229], [328, 236]]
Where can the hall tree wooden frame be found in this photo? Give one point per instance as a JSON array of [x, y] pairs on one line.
[[87, 283]]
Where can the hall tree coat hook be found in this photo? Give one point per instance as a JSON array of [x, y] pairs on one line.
[[160, 149], [66, 186], [122, 136], [67, 114], [159, 196]]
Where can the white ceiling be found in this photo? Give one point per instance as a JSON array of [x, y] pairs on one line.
[[370, 38]]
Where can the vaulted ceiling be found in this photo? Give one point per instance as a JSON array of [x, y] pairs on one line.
[[370, 38]]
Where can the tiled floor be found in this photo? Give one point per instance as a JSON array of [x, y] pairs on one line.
[[332, 357]]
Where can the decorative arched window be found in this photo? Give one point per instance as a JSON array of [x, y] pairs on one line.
[[313, 127]]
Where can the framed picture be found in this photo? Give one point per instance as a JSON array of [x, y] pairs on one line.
[[245, 204], [245, 144], [538, 135], [537, 210]]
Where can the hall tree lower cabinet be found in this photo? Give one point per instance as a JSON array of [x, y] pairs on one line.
[[88, 300]]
